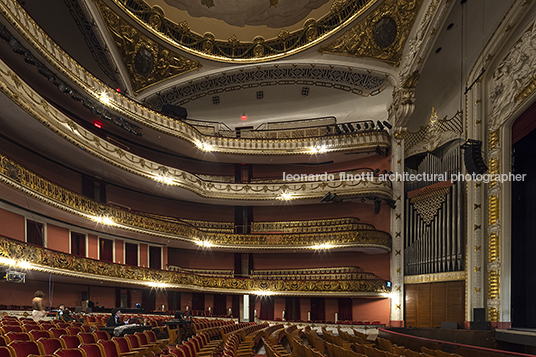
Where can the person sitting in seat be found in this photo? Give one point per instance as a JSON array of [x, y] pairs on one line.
[[115, 319], [64, 314]]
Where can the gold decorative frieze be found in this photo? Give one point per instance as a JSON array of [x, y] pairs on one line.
[[494, 248], [381, 35], [146, 60], [494, 209], [433, 278], [28, 183], [312, 226], [41, 259], [433, 135], [257, 49]]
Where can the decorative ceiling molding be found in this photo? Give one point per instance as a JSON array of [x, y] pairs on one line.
[[131, 110], [44, 260], [235, 50], [147, 61], [433, 135], [514, 78], [348, 79], [94, 40], [381, 35]]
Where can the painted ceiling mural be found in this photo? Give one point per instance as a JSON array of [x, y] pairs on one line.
[[271, 13]]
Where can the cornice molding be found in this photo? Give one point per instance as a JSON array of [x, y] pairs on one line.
[[435, 278], [48, 261]]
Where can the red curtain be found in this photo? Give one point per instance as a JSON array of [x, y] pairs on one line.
[[34, 233], [345, 309], [106, 250], [524, 124]]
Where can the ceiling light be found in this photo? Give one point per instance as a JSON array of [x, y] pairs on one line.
[[24, 264], [204, 146], [164, 179], [263, 293], [104, 98], [104, 220], [285, 196], [322, 246], [154, 284], [7, 261], [204, 243]]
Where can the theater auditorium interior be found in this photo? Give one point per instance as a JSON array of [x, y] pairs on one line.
[[315, 178]]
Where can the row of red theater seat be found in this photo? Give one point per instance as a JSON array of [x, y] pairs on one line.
[[87, 345]]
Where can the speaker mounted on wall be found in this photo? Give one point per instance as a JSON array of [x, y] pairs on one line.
[[474, 162]]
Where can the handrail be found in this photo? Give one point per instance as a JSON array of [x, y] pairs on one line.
[[456, 344]]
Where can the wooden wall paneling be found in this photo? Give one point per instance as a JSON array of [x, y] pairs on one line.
[[456, 302], [424, 306], [439, 303], [411, 302]]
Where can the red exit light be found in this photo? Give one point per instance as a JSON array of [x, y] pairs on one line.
[[244, 117], [97, 124]]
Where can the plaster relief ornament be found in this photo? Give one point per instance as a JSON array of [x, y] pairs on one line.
[[270, 13], [516, 72]]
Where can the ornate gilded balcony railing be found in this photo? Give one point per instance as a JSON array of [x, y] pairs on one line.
[[45, 260], [28, 183], [341, 273], [312, 226], [128, 109], [52, 118]]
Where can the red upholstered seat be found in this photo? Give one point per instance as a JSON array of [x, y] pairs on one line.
[[12, 328], [37, 334], [101, 335], [110, 348], [3, 341], [47, 325], [18, 336], [70, 341], [73, 330], [63, 324], [124, 347], [49, 346], [87, 337], [86, 328], [93, 350], [6, 352], [71, 352], [57, 332], [24, 348]]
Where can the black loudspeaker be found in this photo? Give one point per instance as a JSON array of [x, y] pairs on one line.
[[451, 325], [479, 314], [474, 163], [174, 110], [84, 295], [480, 325]]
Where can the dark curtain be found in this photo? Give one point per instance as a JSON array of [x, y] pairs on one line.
[[252, 308], [34, 233], [236, 306], [174, 300], [131, 254], [345, 309], [292, 309], [318, 311], [148, 300], [198, 302], [220, 308], [117, 297], [155, 257], [267, 308], [237, 265], [78, 244], [106, 250]]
